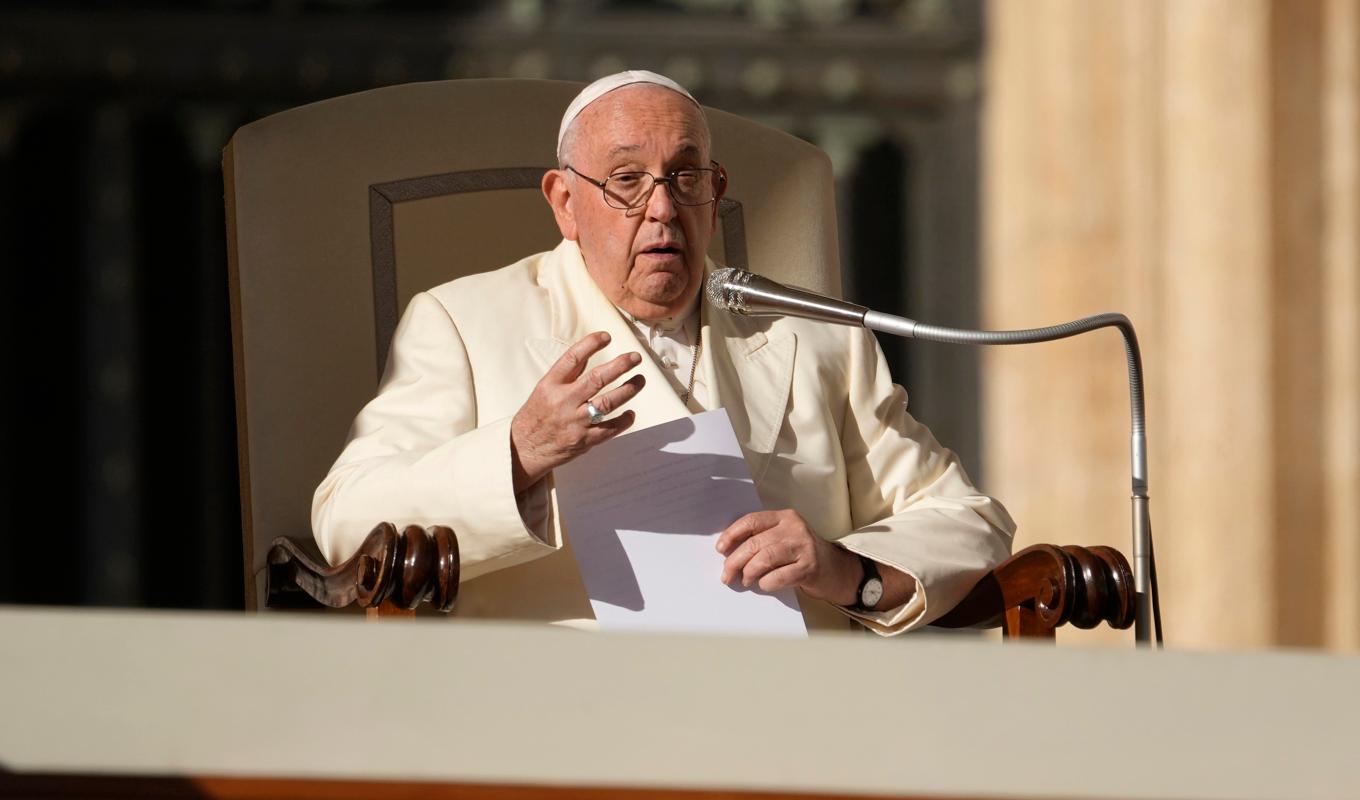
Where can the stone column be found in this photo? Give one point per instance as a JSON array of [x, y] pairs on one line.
[[1341, 312], [1185, 163]]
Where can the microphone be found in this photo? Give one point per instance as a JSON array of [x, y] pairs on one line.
[[748, 294]]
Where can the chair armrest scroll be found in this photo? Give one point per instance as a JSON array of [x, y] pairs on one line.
[[1044, 587], [401, 569]]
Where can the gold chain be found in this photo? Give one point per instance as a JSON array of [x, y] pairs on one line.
[[693, 365]]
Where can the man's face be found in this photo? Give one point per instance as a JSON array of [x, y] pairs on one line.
[[649, 261]]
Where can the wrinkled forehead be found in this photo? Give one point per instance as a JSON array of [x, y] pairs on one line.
[[641, 115]]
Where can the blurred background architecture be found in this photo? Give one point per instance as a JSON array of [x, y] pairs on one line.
[[1192, 164]]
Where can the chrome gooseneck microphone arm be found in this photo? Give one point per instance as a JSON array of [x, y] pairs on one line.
[[746, 293], [1144, 571]]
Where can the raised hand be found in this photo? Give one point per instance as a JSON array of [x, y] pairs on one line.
[[553, 426]]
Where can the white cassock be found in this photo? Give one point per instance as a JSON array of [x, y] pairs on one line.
[[824, 430]]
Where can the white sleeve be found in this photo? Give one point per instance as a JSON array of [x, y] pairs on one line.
[[417, 454], [913, 505]]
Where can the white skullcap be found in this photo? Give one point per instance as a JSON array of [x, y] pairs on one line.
[[609, 83]]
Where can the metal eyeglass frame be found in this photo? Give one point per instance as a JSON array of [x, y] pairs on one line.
[[668, 180]]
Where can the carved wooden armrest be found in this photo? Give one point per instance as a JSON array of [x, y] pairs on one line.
[[390, 570], [1044, 587], [1035, 591]]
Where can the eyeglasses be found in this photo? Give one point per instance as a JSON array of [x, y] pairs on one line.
[[688, 187]]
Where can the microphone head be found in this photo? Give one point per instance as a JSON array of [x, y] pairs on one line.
[[725, 286], [750, 295]]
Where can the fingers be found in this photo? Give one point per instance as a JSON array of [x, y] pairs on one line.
[[744, 528], [582, 386], [592, 383], [772, 549], [774, 553], [735, 563], [758, 556], [551, 427], [757, 551], [609, 428], [573, 362], [782, 578], [612, 399], [764, 559]]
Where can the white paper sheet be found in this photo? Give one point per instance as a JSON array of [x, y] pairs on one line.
[[643, 512]]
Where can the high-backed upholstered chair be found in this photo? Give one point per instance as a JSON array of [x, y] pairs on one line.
[[339, 211]]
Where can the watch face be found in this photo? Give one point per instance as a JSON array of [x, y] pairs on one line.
[[872, 593]]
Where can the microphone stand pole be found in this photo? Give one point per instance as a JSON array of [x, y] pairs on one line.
[[1148, 618]]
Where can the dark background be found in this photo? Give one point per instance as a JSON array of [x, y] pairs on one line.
[[118, 473]]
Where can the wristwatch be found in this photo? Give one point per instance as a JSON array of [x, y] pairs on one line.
[[870, 587]]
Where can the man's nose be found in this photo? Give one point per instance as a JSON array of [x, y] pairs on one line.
[[660, 204]]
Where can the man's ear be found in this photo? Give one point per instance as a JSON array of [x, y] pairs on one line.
[[557, 193], [719, 189]]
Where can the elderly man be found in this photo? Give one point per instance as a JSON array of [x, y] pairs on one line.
[[496, 379]]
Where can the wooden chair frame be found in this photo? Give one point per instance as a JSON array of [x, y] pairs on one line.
[[1033, 593]]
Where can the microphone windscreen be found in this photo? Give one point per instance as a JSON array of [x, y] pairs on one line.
[[722, 283]]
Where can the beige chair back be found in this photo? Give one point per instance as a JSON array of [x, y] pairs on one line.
[[339, 211]]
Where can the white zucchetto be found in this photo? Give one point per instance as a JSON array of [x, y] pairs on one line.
[[609, 83]]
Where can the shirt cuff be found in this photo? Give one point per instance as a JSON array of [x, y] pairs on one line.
[[895, 620], [534, 505]]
